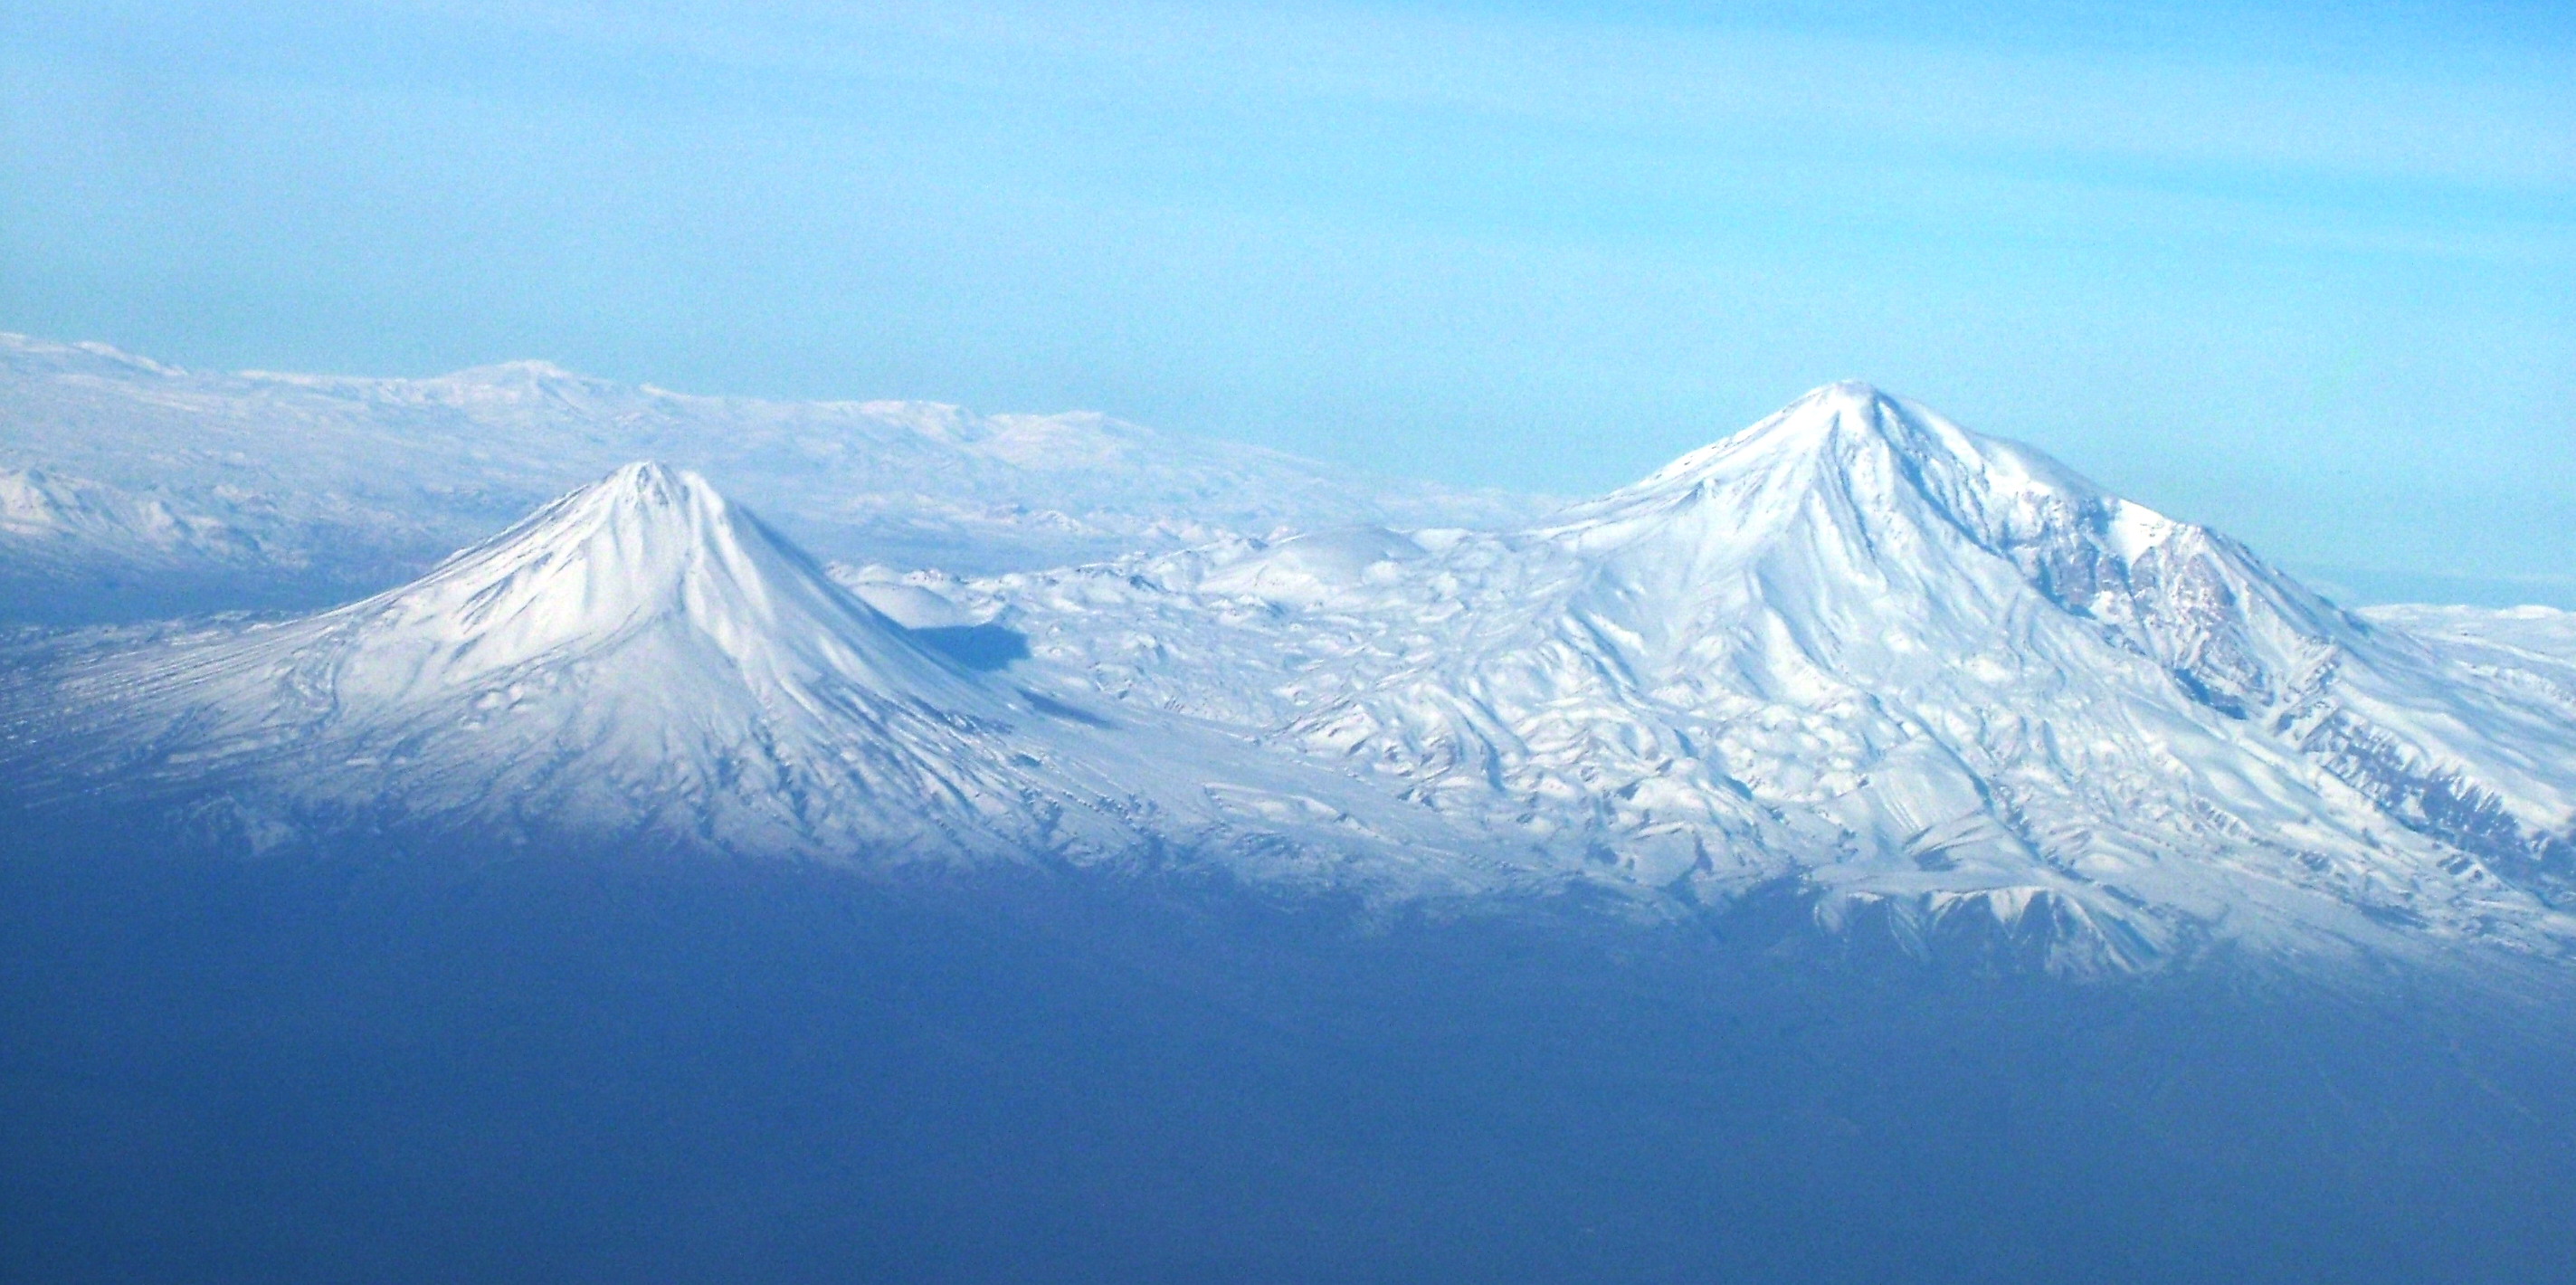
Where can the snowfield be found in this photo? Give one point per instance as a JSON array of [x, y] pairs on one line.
[[1935, 678], [343, 486], [1937, 687]]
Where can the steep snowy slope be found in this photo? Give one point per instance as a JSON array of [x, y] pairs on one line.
[[346, 485], [643, 659], [636, 653], [1937, 679], [1931, 688]]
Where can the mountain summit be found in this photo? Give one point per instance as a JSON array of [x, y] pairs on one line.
[[1960, 696], [642, 660], [1850, 492], [653, 566], [1853, 430], [639, 657], [1934, 687]]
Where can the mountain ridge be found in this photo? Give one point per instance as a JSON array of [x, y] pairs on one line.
[[1949, 695], [337, 486], [1909, 692]]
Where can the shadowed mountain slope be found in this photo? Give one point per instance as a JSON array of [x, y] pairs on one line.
[[1933, 688]]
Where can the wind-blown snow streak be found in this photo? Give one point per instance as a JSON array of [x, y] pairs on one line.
[[1947, 693]]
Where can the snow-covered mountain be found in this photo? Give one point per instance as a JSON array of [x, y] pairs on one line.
[[643, 660], [1933, 687], [335, 486], [636, 652], [1936, 678]]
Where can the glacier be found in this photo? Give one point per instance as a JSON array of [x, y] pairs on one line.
[[1934, 689]]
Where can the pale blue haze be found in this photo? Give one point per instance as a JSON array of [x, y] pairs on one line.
[[2307, 273]]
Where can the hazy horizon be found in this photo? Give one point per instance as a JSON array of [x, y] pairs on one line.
[[2351, 586], [1221, 640], [2301, 273]]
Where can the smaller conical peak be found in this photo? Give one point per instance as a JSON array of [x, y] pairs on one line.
[[653, 484], [648, 517], [641, 508], [646, 542], [648, 556], [1845, 395]]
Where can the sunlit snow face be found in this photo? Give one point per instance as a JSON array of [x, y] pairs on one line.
[[1936, 683]]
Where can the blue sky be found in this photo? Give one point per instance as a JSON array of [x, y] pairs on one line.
[[2306, 273]]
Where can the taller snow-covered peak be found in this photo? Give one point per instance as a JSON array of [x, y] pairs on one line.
[[1858, 486], [1837, 416], [498, 388], [1851, 507], [1886, 477], [1872, 446]]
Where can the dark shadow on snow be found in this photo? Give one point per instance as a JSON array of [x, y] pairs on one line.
[[983, 648]]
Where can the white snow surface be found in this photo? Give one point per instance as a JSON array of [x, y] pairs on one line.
[[1932, 676], [364, 482], [1938, 686], [644, 659], [50, 521]]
